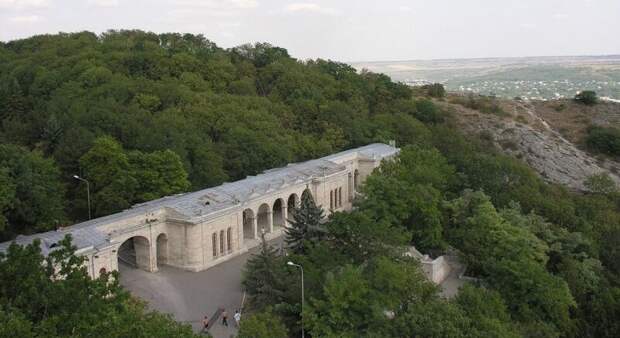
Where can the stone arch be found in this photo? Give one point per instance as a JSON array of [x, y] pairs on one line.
[[249, 224], [278, 213], [162, 249], [136, 251], [291, 203], [264, 218]]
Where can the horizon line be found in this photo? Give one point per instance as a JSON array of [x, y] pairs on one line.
[[489, 58]]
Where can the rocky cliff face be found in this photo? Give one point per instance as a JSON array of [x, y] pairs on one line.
[[524, 134]]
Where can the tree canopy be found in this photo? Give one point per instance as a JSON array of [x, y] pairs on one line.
[[55, 297], [175, 112]]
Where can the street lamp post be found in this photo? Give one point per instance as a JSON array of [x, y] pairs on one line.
[[302, 295], [87, 192]]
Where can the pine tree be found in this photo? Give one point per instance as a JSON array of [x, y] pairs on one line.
[[305, 225], [263, 276]]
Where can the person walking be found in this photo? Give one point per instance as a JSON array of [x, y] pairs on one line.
[[205, 324], [237, 317], [225, 318]]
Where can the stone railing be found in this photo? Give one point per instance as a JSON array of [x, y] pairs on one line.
[[436, 270]]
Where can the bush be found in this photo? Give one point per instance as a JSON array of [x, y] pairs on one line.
[[587, 97], [436, 90], [604, 140], [262, 325], [427, 112]]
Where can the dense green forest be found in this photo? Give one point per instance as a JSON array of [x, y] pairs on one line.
[[142, 115], [546, 259], [122, 101]]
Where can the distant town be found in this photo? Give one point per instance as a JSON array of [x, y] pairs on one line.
[[542, 78]]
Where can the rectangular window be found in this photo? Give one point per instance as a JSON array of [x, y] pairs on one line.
[[222, 241], [228, 239], [214, 244], [340, 197], [331, 199]]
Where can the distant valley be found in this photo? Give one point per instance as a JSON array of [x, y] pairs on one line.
[[540, 78]]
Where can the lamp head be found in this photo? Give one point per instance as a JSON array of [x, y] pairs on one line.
[[290, 263], [76, 177]]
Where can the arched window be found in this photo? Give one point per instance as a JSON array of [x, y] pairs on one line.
[[102, 271], [222, 241], [339, 197], [331, 199], [228, 239], [350, 187], [214, 243], [336, 198]]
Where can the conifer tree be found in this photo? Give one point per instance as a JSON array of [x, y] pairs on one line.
[[305, 225], [263, 275]]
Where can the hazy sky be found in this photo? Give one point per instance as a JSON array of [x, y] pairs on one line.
[[346, 30]]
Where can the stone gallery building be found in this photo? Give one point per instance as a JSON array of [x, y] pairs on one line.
[[197, 230]]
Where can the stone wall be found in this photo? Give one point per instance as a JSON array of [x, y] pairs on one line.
[[188, 244]]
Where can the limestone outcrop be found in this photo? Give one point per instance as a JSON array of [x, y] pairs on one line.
[[527, 136]]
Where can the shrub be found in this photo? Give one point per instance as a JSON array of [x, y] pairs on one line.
[[587, 97], [605, 140], [427, 112], [436, 90]]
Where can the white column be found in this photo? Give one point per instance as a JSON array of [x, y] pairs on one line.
[[153, 254]]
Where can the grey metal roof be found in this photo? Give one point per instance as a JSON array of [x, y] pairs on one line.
[[211, 200]]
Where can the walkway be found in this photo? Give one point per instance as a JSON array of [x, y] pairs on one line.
[[189, 296], [453, 282]]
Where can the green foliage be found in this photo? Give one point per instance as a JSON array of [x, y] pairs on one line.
[[120, 179], [305, 228], [358, 300], [601, 184], [359, 237], [226, 114], [436, 90], [262, 325], [605, 140], [158, 174], [347, 295], [599, 316], [427, 112], [587, 97], [30, 192], [107, 168], [432, 319], [7, 196], [484, 104], [263, 276], [512, 260], [408, 193], [55, 297], [486, 308], [402, 128]]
